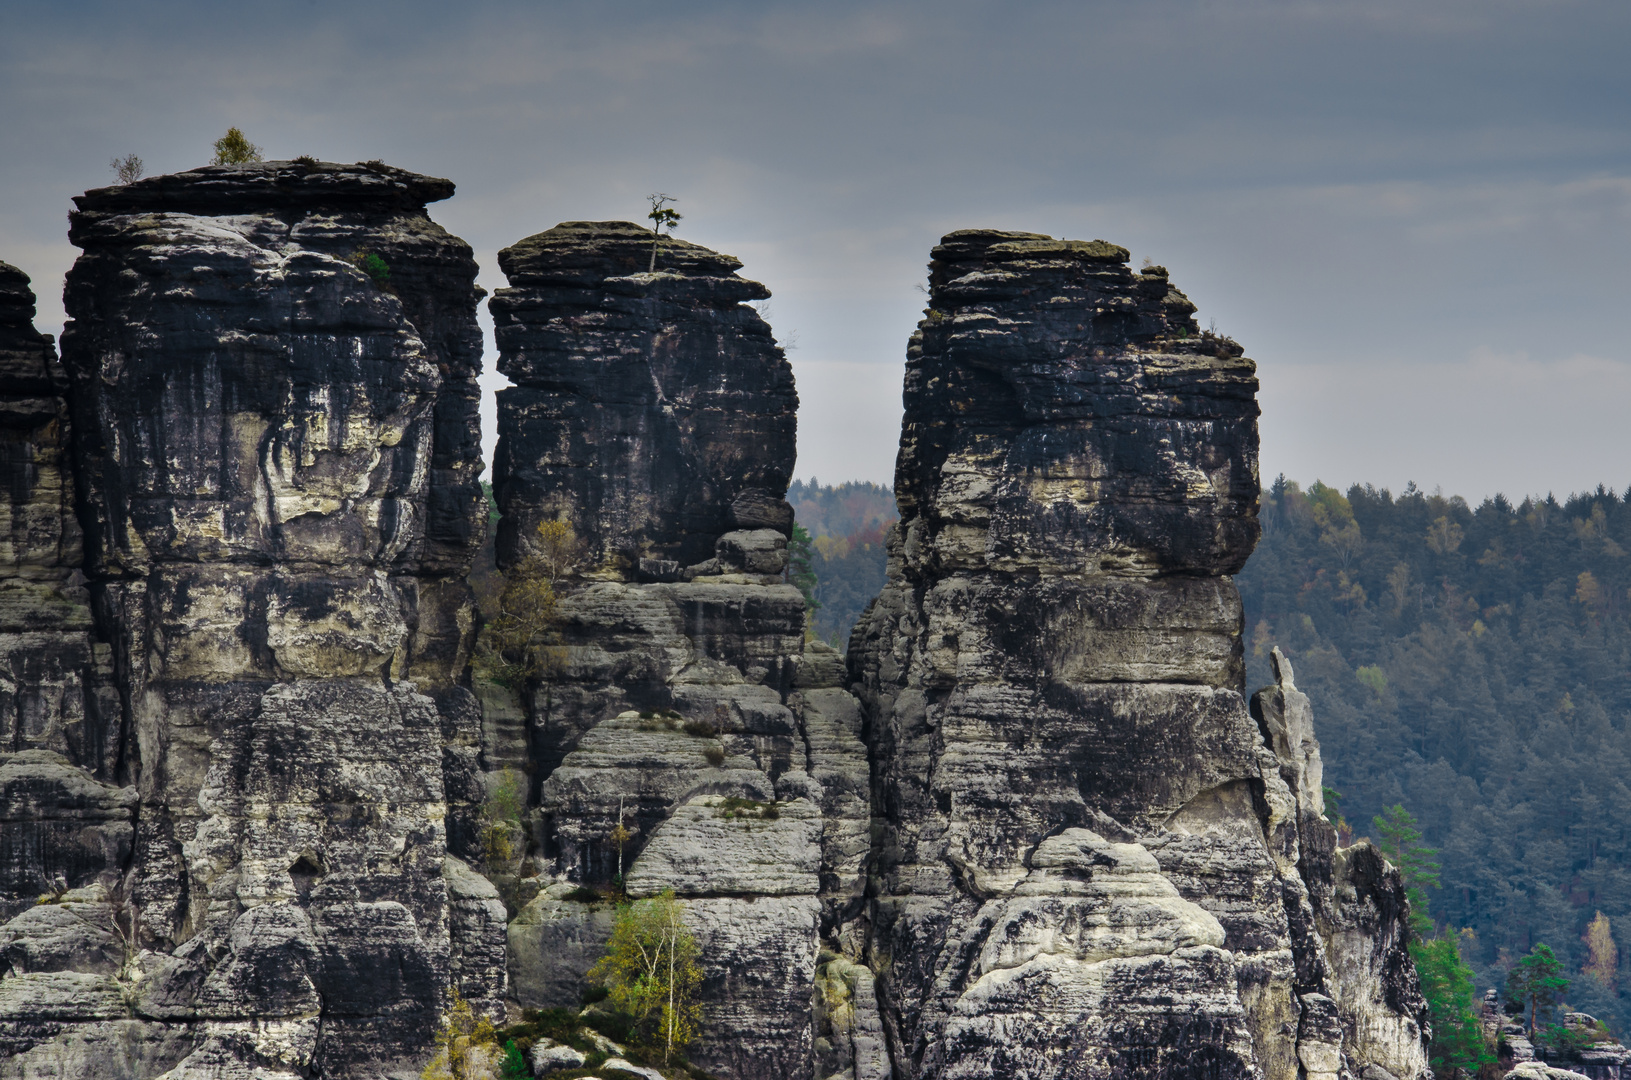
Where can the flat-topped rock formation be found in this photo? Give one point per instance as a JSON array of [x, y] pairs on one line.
[[654, 415], [271, 376], [1093, 861], [654, 411]]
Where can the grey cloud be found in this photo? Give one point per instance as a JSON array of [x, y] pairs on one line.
[[1359, 193]]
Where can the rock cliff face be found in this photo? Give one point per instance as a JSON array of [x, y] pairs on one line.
[[58, 706], [271, 371], [654, 414], [1093, 860]]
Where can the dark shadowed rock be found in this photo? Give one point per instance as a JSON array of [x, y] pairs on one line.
[[654, 411], [57, 691], [65, 818]]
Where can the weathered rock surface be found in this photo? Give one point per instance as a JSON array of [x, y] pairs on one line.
[[1029, 828], [57, 696], [654, 413], [1093, 861], [653, 410], [271, 407]]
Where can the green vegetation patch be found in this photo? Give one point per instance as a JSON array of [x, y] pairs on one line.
[[734, 807]]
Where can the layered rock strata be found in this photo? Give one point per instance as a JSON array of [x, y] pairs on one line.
[[271, 376], [65, 818], [1092, 860], [654, 415]]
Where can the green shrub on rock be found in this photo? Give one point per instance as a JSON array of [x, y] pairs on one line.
[[233, 149]]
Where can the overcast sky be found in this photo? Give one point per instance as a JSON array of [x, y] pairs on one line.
[[1414, 214]]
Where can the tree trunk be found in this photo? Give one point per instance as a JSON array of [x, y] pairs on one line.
[[673, 940]]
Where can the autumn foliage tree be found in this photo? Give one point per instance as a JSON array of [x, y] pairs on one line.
[[518, 642], [650, 970], [1604, 954]]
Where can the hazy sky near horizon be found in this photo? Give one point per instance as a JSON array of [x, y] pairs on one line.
[[1414, 214]]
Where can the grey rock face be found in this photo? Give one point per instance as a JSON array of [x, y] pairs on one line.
[[1075, 876], [655, 414], [272, 405], [1029, 828], [56, 681], [654, 411]]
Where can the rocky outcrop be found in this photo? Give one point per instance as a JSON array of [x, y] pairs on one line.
[[1590, 1053], [272, 403], [1092, 860], [652, 410], [654, 415]]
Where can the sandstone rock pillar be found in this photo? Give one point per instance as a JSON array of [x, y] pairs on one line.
[[1081, 869], [67, 819], [272, 376], [654, 414]]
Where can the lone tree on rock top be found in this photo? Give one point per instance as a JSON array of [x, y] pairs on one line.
[[662, 217], [128, 169], [233, 149], [1536, 981]]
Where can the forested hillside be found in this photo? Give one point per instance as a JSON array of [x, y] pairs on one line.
[[1473, 664], [847, 524]]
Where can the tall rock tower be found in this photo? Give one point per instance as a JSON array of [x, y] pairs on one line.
[[271, 371], [654, 416], [1093, 861]]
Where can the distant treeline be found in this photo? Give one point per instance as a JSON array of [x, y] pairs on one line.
[[848, 524], [1473, 664]]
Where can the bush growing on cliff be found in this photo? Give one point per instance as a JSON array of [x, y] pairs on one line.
[[501, 828], [518, 642], [127, 169], [233, 149], [372, 265], [651, 971], [466, 1045], [662, 217]]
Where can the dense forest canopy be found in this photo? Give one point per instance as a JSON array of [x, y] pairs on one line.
[[848, 524], [1473, 664]]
